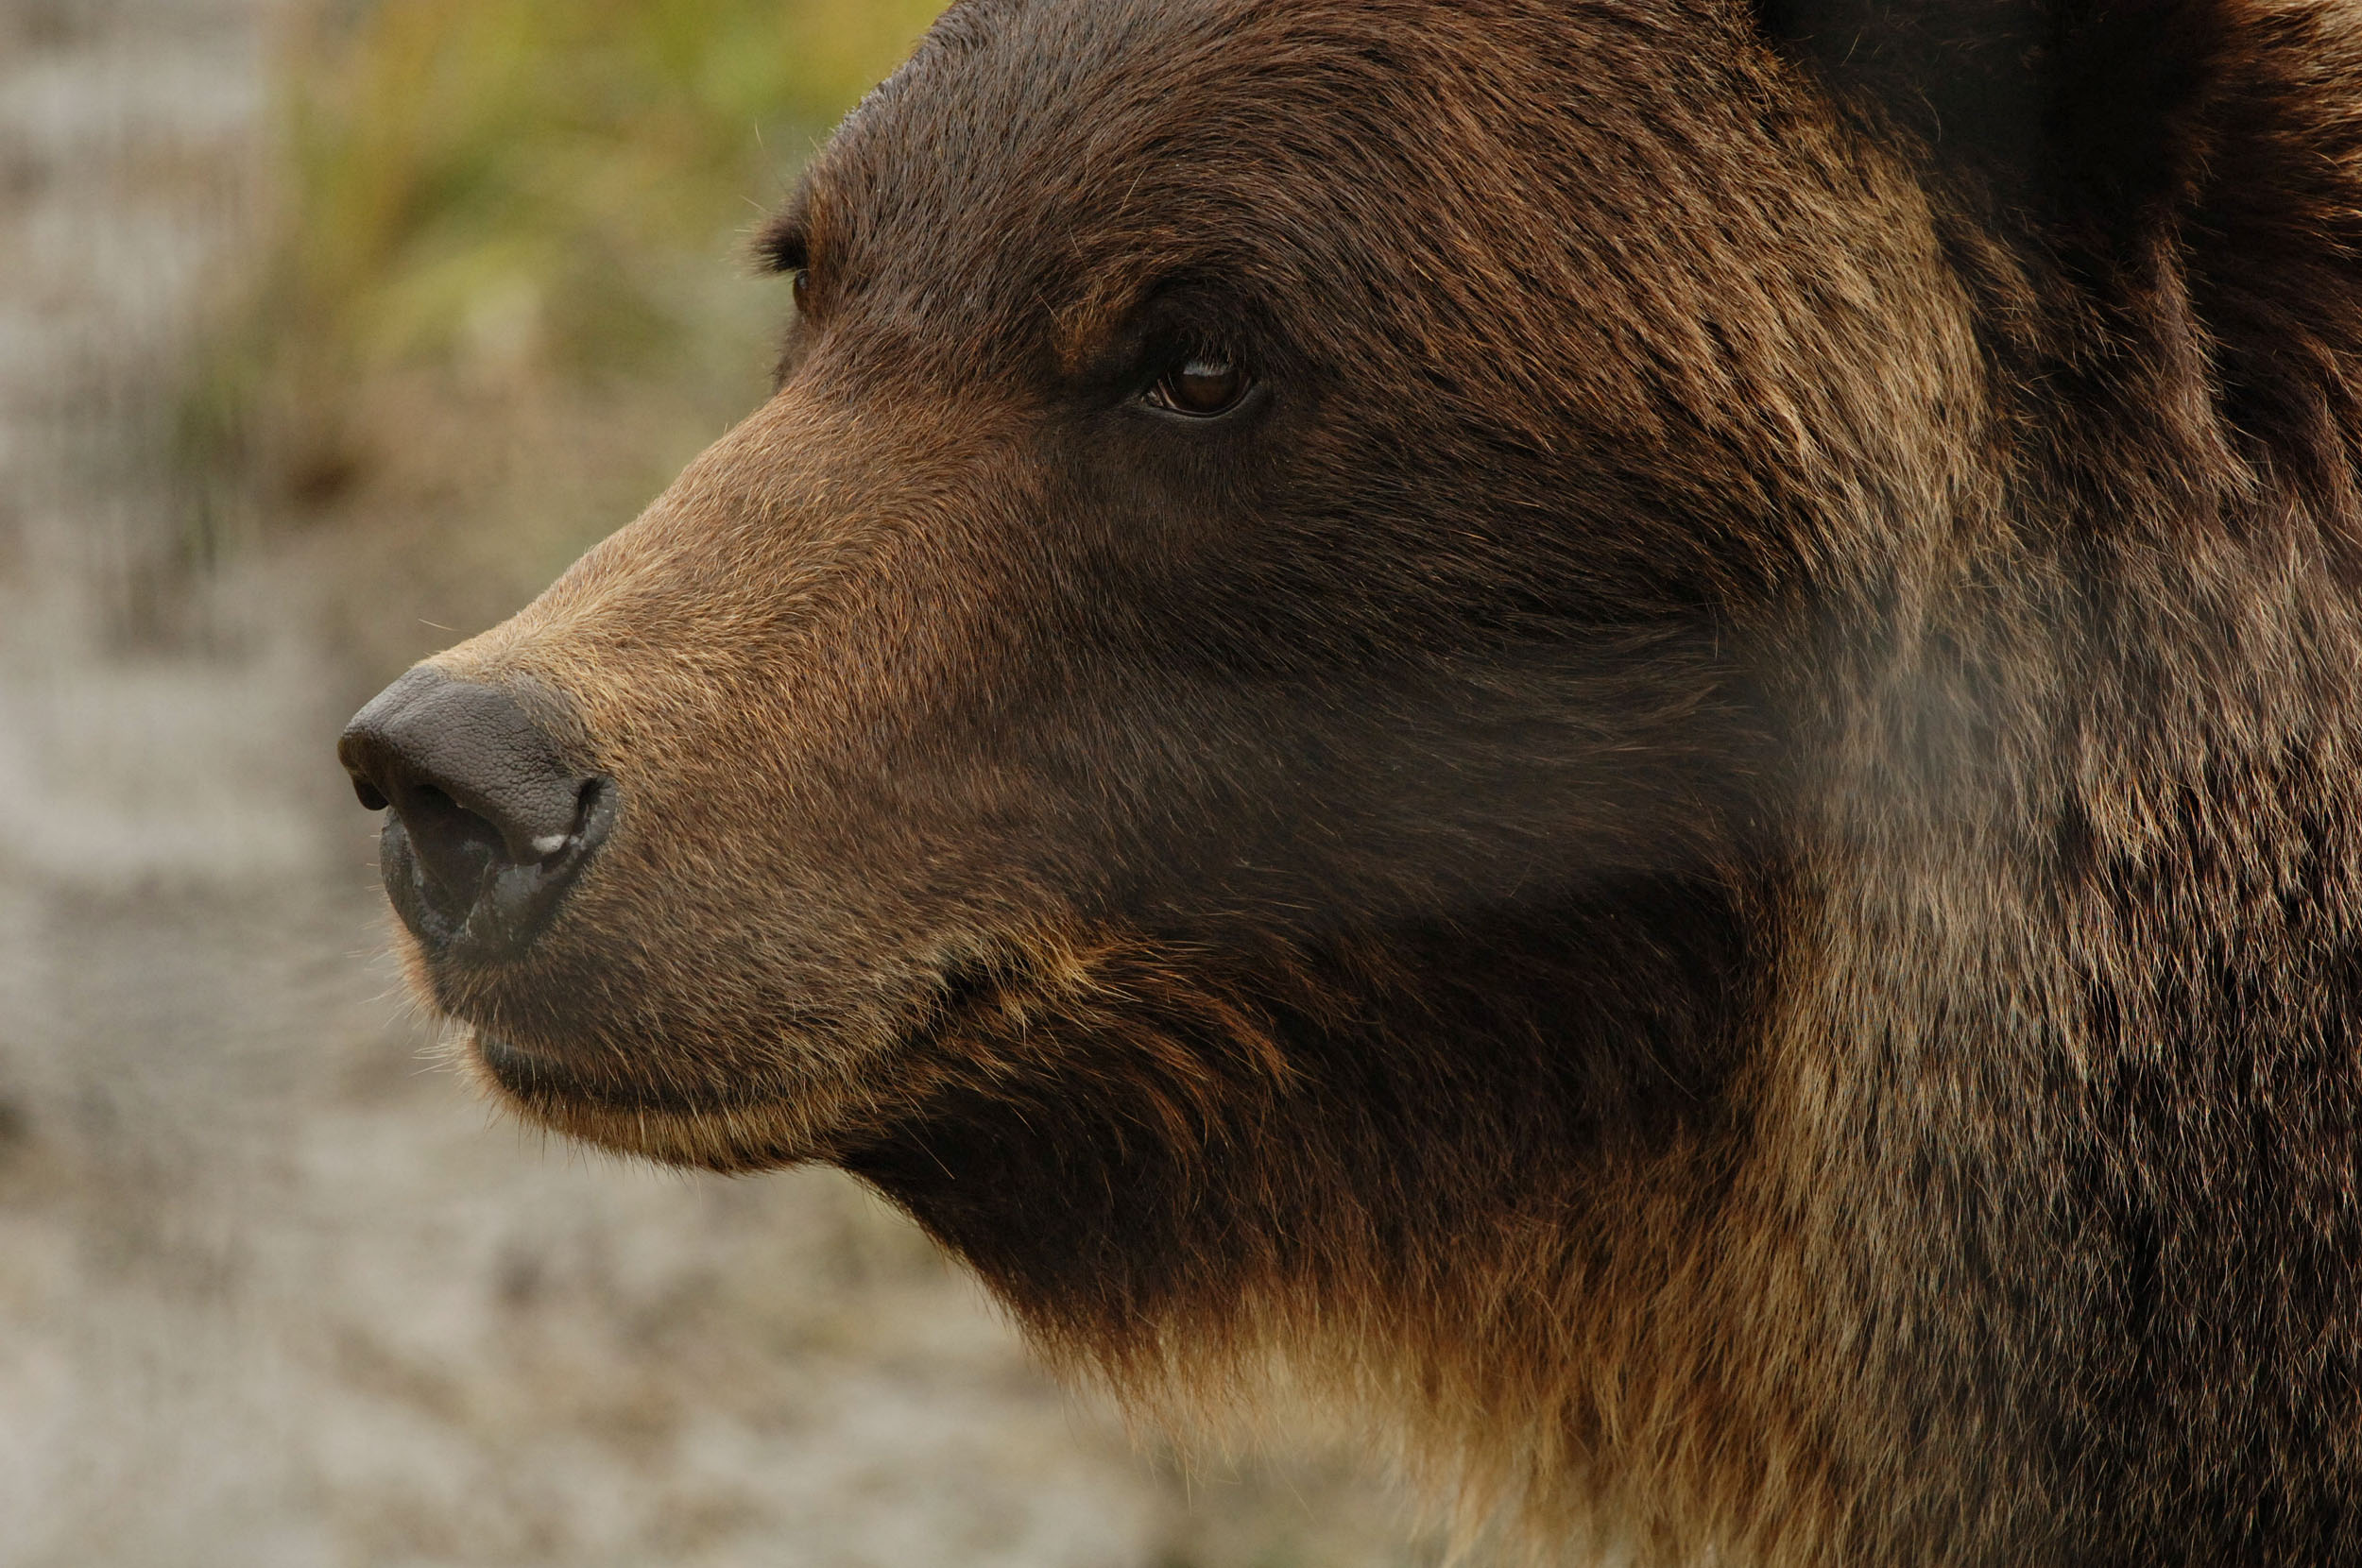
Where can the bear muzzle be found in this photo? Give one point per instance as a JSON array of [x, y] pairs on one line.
[[488, 824]]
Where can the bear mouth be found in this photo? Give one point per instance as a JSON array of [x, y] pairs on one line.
[[841, 1082], [532, 1078], [757, 1123]]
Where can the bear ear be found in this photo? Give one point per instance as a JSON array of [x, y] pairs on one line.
[[2055, 109]]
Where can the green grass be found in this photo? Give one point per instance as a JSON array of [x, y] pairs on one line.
[[514, 185]]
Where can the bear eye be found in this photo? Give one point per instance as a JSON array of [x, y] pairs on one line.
[[800, 286], [1202, 386]]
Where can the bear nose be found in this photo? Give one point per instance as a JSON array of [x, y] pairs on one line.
[[488, 824]]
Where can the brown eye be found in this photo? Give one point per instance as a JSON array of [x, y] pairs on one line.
[[800, 285], [1201, 388]]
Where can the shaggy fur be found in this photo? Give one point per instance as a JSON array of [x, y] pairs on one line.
[[1709, 852]]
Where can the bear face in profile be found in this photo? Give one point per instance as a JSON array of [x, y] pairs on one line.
[[1628, 726]]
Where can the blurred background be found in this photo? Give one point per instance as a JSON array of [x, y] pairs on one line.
[[330, 329]]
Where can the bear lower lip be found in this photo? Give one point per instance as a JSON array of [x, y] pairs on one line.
[[602, 1078], [535, 1075], [522, 1073], [544, 1078]]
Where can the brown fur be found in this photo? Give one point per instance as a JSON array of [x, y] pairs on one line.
[[1711, 856]]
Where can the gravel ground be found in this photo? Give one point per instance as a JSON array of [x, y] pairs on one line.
[[272, 1291]]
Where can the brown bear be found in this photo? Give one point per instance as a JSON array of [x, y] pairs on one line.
[[1626, 728]]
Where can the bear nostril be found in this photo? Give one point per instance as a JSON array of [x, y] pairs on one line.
[[488, 822], [457, 849]]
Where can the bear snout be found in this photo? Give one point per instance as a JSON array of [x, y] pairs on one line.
[[487, 823]]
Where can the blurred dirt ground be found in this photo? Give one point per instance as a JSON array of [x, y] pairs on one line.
[[273, 1290]]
